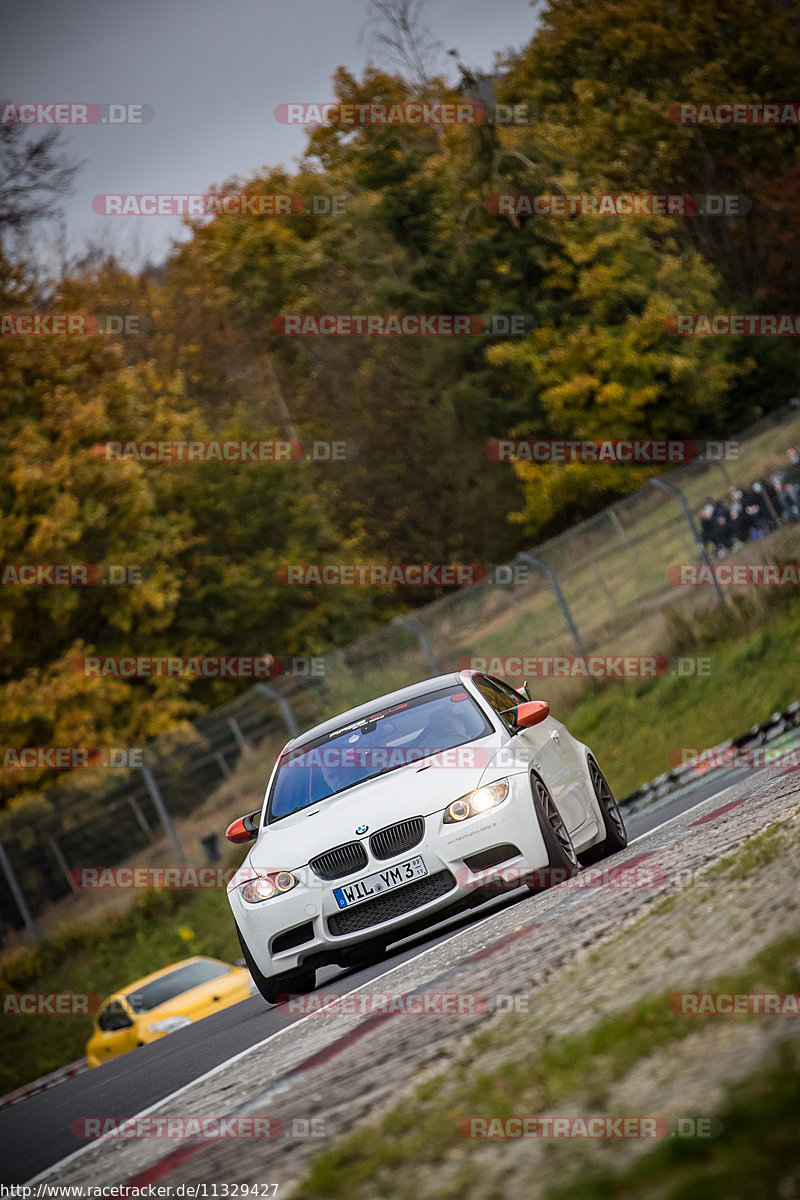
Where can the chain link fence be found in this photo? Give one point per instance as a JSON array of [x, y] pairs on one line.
[[602, 584]]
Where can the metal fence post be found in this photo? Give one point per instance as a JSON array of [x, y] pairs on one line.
[[615, 521], [415, 627], [283, 704], [163, 814], [62, 862], [561, 599], [238, 735], [677, 494], [140, 817], [17, 893]]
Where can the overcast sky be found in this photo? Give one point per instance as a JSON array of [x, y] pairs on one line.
[[213, 74]]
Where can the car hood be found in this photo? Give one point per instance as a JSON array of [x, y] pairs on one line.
[[419, 789]]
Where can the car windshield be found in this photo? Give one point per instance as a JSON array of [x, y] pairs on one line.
[[381, 742], [172, 985]]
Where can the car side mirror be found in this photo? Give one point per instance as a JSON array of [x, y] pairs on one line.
[[244, 829], [532, 713]]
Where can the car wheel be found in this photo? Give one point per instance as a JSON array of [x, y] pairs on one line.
[[275, 987], [616, 834], [562, 860]]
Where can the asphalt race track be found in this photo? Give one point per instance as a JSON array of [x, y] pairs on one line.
[[35, 1134]]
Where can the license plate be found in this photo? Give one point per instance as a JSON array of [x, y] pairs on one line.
[[381, 881]]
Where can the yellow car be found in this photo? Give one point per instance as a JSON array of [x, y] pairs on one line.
[[163, 1002]]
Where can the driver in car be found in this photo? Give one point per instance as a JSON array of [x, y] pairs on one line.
[[337, 772], [445, 729]]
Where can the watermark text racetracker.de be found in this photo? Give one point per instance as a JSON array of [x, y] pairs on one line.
[[60, 324], [639, 452], [69, 575], [733, 1004], [727, 112], [385, 575], [51, 1004], [415, 1004], [201, 666], [733, 324], [199, 1127], [227, 450], [71, 758], [588, 1126], [218, 204], [600, 204], [750, 758], [413, 114], [589, 666], [734, 574], [159, 878], [401, 324], [70, 113]]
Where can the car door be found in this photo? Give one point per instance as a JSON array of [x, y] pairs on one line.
[[117, 1031]]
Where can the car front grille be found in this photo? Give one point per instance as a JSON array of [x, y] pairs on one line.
[[340, 861], [392, 904], [394, 839]]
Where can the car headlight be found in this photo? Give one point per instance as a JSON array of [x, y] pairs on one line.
[[169, 1025], [479, 801], [265, 886]]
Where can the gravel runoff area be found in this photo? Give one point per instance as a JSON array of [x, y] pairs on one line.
[[565, 960]]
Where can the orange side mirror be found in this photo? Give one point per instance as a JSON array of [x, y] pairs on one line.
[[244, 829], [532, 713]]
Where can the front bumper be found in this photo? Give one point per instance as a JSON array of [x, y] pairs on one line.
[[466, 864]]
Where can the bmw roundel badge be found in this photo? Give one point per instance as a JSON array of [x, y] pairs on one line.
[[362, 829]]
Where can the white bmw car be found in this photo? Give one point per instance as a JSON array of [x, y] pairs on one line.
[[405, 810]]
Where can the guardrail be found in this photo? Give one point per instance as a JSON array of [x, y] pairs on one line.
[[757, 735], [44, 1083]]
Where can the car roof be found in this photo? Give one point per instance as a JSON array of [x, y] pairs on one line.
[[380, 702]]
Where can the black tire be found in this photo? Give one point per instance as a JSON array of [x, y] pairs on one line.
[[277, 987], [562, 860], [616, 834]]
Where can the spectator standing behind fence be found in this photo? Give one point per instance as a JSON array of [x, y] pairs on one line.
[[708, 526], [722, 520], [739, 521], [784, 500], [715, 526], [757, 509], [790, 490]]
